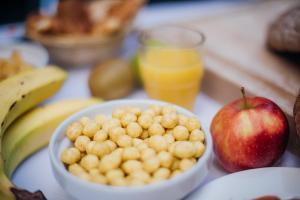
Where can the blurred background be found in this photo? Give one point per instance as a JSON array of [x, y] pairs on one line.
[[12, 11]]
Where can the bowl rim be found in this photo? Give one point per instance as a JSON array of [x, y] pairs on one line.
[[56, 163]]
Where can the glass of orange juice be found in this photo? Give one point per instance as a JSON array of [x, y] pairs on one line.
[[171, 64]]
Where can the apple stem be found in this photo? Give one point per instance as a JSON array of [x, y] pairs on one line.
[[244, 98]]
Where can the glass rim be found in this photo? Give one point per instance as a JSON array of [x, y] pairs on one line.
[[142, 38]]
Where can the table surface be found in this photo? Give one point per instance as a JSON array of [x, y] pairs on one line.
[[35, 173]]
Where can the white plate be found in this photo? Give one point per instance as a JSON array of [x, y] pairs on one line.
[[282, 182], [32, 53]]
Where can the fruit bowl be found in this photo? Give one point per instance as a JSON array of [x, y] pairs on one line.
[[174, 188]]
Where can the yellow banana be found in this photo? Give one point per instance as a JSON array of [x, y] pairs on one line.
[[33, 130], [25, 90], [17, 95]]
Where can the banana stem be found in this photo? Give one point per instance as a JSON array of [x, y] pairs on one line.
[[5, 183]]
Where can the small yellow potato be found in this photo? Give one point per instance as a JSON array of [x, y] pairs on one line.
[[114, 122], [146, 141], [175, 173], [199, 149], [145, 134], [169, 120], [135, 110], [119, 182], [118, 151], [130, 153], [74, 131], [165, 158], [156, 109], [84, 120], [169, 138], [147, 153], [82, 154], [175, 164], [70, 155], [133, 147], [109, 162], [186, 164], [197, 136], [192, 124], [141, 175], [184, 149], [98, 178], [156, 129], [81, 142], [171, 147], [100, 119], [90, 129], [136, 182], [111, 145], [118, 113], [152, 164], [142, 146], [136, 142], [100, 136], [100, 149], [168, 109], [116, 132], [94, 171], [89, 161], [145, 121], [182, 119], [134, 129], [110, 124], [162, 173], [114, 174], [75, 169], [157, 119], [89, 147], [131, 166], [127, 118], [158, 143], [149, 111], [180, 133], [124, 141]]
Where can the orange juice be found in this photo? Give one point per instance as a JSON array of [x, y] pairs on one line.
[[172, 74]]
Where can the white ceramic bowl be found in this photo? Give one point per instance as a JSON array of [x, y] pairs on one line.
[[171, 189]]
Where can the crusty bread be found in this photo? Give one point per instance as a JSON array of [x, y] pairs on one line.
[[297, 114], [78, 17], [284, 33]]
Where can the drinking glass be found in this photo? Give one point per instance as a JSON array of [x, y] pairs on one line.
[[171, 64]]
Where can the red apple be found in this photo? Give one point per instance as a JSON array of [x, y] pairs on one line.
[[249, 133]]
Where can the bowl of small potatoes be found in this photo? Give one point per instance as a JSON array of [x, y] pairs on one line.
[[130, 149]]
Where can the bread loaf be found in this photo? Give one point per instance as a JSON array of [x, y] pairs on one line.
[[284, 32], [297, 114]]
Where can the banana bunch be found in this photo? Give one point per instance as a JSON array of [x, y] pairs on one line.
[[22, 136]]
